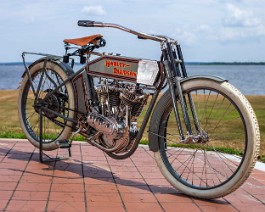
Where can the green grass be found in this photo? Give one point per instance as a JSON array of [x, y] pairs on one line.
[[209, 148], [204, 147], [10, 126], [11, 134]]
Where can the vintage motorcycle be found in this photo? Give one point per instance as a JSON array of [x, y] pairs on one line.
[[203, 131]]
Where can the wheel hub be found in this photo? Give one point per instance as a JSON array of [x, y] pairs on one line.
[[52, 103], [196, 139]]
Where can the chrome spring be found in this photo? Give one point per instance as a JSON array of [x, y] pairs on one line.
[[102, 98], [137, 108], [127, 99], [114, 99]]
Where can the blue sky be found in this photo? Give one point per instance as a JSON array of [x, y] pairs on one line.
[[208, 30]]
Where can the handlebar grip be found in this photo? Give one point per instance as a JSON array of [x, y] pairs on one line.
[[88, 23], [141, 37]]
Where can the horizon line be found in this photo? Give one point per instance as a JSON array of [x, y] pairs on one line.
[[186, 62]]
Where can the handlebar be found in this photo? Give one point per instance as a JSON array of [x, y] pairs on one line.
[[89, 23]]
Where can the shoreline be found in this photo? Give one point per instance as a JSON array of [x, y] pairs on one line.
[[186, 63], [247, 78]]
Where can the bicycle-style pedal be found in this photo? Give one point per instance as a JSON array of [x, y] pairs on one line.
[[63, 144]]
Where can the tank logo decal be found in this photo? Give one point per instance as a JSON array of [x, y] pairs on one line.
[[119, 68], [110, 63], [124, 72]]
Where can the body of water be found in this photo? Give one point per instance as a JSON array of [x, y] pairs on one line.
[[249, 79]]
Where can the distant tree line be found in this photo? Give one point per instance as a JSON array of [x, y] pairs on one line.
[[225, 63]]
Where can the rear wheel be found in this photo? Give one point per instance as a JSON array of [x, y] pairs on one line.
[[219, 156], [60, 104]]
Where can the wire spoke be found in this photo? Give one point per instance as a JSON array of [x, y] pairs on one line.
[[204, 163], [53, 125]]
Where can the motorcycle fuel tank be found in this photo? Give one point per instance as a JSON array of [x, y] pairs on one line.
[[124, 68]]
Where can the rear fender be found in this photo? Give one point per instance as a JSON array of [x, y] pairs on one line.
[[68, 70], [65, 67]]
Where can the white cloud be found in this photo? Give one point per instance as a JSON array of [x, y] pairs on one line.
[[235, 25], [239, 35], [185, 36], [190, 35], [200, 25], [204, 28], [240, 25], [239, 18], [94, 10]]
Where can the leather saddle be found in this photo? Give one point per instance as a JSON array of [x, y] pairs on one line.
[[93, 39]]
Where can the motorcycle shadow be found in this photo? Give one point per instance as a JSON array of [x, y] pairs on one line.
[[93, 174]]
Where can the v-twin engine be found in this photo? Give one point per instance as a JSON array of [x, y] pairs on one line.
[[108, 126], [115, 121]]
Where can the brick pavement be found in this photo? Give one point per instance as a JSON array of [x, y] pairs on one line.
[[92, 181]]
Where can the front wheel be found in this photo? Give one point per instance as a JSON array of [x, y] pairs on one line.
[[221, 151]]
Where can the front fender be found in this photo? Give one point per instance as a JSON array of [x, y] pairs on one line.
[[207, 77], [152, 137]]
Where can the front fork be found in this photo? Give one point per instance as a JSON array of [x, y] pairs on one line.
[[172, 58]]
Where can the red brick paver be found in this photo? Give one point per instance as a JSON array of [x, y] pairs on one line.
[[92, 181]]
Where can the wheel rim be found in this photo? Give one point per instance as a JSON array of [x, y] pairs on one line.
[[53, 125], [213, 163]]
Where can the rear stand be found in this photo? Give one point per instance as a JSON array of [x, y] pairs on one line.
[[63, 144]]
